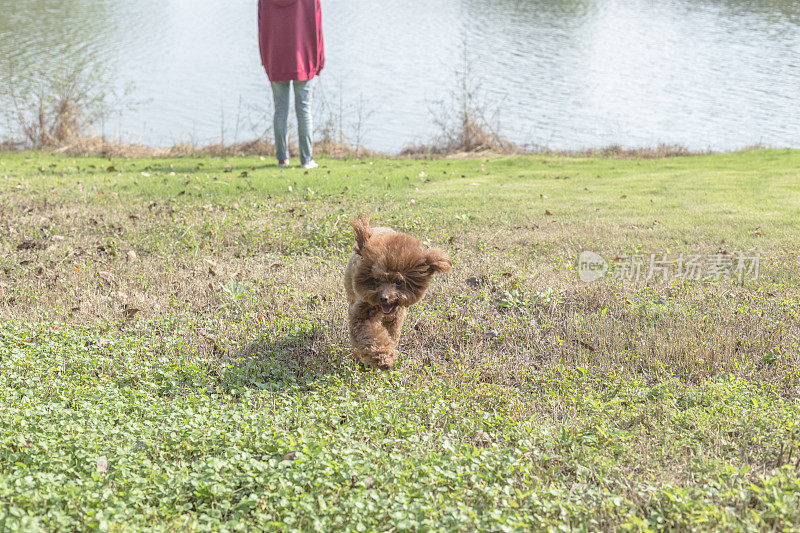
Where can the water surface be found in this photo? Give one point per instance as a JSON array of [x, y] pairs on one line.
[[717, 74]]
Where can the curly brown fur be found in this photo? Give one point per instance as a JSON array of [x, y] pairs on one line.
[[387, 273]]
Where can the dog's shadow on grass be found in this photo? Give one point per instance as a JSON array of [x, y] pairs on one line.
[[270, 363]]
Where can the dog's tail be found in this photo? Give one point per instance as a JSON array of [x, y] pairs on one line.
[[362, 231]]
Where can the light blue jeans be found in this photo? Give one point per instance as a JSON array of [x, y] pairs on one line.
[[302, 107]]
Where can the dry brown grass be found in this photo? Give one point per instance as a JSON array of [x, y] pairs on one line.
[[490, 146], [621, 152], [338, 150], [472, 137], [88, 146], [476, 140], [98, 146]]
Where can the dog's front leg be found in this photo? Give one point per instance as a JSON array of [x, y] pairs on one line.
[[394, 324], [373, 344]]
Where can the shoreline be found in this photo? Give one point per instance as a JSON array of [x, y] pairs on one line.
[[96, 146]]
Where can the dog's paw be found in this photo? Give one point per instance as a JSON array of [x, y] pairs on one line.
[[382, 358], [360, 362]]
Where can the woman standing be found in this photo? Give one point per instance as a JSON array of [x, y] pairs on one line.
[[292, 52]]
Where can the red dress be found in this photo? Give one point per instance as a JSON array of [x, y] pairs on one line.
[[290, 39]]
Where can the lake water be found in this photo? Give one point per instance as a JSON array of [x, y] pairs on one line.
[[717, 74]]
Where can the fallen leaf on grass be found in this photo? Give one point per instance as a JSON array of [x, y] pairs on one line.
[[476, 282], [481, 438], [585, 345], [216, 349], [129, 312], [31, 245], [107, 276]]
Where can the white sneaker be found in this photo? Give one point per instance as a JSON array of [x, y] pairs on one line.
[[311, 164], [284, 163]]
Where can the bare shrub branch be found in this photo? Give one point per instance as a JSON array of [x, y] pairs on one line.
[[56, 106], [467, 123]]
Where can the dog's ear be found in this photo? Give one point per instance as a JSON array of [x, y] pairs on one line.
[[437, 261], [362, 231]]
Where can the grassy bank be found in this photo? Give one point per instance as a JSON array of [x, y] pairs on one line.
[[173, 352]]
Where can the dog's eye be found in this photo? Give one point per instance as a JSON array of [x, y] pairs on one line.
[[399, 282]]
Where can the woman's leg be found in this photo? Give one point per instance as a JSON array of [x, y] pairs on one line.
[[302, 105], [280, 96]]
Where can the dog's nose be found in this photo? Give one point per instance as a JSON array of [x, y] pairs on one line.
[[384, 299]]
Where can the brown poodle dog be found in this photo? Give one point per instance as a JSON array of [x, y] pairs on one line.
[[387, 272]]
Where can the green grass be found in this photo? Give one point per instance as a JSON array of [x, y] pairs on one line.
[[206, 384]]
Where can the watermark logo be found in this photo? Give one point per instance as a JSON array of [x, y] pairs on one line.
[[648, 267], [591, 266]]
